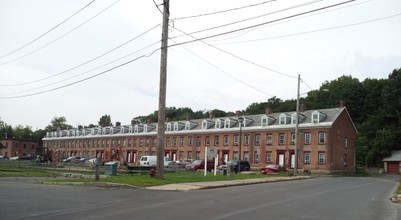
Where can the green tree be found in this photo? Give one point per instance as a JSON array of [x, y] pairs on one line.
[[104, 121], [58, 123], [21, 132]]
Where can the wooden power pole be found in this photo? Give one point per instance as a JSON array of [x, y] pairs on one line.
[[162, 94]]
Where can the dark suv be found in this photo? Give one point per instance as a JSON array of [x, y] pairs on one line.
[[243, 165]]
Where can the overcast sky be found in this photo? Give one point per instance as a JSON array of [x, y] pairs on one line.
[[66, 57]]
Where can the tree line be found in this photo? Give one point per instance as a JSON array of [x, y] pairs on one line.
[[373, 105]]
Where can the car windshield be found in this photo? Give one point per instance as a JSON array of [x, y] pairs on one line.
[[197, 162], [233, 162]]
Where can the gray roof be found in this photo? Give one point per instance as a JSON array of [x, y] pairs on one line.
[[395, 156], [326, 118]]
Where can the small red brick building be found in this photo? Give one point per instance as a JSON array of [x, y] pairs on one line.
[[20, 148]]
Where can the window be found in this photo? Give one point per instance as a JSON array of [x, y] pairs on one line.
[[198, 141], [268, 157], [190, 141], [308, 138], [216, 140], [246, 139], [322, 138], [306, 157], [293, 138], [265, 121], [269, 139], [236, 140], [227, 123], [218, 123], [345, 142], [174, 141], [235, 155], [207, 141], [187, 125], [168, 141], [282, 119], [189, 155], [321, 158], [226, 140], [256, 157], [169, 127], [181, 155], [181, 141], [281, 139], [204, 125], [246, 155], [294, 118], [315, 117], [198, 155], [345, 159], [257, 139]]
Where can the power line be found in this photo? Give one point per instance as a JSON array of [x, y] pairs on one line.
[[82, 64], [317, 30], [223, 11], [29, 53], [248, 19], [261, 24], [80, 74], [42, 35], [82, 80], [226, 73]]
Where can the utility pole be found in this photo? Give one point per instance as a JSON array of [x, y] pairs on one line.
[[297, 129], [162, 94]]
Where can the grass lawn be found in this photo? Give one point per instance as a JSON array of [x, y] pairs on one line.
[[140, 180]]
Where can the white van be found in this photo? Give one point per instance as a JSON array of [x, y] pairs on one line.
[[152, 161]]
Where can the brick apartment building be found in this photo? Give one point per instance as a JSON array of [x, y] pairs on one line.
[[326, 140], [17, 147]]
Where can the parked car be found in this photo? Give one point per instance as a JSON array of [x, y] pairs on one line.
[[200, 164], [3, 157], [244, 165], [14, 158], [271, 168], [72, 159]]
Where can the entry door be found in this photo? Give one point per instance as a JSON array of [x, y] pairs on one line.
[[292, 160], [281, 159]]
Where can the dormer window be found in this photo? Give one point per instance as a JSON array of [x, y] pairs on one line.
[[204, 125], [145, 128], [283, 119], [169, 127], [294, 118], [227, 122], [315, 117], [187, 125], [217, 124]]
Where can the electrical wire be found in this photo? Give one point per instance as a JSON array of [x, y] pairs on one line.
[[261, 24], [316, 30], [80, 74], [84, 63], [251, 18], [82, 80], [51, 42], [42, 35], [226, 73], [223, 11]]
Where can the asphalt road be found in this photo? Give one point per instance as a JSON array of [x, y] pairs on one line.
[[316, 198]]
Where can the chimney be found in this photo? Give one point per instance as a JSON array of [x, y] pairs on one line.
[[118, 124], [268, 111], [342, 104], [149, 120], [238, 113], [211, 115], [302, 107], [189, 117]]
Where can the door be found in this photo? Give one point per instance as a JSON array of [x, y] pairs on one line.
[[393, 167], [281, 159], [292, 161]]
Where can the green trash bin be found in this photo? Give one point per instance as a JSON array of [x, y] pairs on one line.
[[110, 168]]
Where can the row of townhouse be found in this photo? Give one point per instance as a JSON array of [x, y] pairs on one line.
[[326, 140]]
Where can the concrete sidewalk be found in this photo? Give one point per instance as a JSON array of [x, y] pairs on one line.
[[217, 184]]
